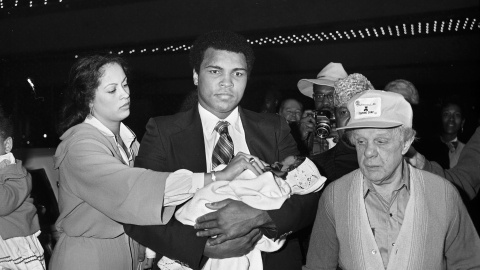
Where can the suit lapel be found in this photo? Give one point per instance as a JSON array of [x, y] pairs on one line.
[[188, 145], [257, 136]]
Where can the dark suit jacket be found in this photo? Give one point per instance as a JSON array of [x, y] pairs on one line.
[[176, 142]]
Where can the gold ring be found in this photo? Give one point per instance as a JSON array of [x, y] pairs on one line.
[[251, 160]]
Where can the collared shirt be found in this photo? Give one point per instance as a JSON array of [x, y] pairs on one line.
[[386, 217], [180, 185], [210, 136], [455, 148], [128, 137]]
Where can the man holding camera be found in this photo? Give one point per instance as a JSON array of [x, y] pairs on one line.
[[317, 128], [342, 158]]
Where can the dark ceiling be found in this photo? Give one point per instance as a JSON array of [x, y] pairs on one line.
[[42, 42]]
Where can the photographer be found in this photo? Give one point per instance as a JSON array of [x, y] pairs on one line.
[[317, 128]]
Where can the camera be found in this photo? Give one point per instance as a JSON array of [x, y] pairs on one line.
[[323, 125]]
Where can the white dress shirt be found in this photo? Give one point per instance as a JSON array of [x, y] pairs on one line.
[[210, 136]]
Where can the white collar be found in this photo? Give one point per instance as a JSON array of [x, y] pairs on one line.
[[209, 120], [126, 134]]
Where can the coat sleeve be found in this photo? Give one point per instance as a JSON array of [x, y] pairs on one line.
[[462, 245], [125, 194], [324, 247], [15, 187], [466, 174], [171, 239], [298, 211], [152, 154]]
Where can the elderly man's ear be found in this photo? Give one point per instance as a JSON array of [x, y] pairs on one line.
[[407, 145]]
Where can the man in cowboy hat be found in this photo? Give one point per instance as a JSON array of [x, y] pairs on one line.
[[321, 90], [342, 158], [387, 214]]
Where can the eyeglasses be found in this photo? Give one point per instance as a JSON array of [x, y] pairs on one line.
[[322, 96]]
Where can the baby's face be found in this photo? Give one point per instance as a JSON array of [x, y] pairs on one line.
[[287, 162]]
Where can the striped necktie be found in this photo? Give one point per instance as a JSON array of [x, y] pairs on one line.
[[223, 151]]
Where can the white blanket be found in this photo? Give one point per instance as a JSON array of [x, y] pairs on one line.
[[264, 192]]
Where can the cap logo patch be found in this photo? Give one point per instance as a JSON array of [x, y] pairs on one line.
[[367, 107]]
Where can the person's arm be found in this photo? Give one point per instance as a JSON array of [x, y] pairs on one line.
[[171, 240], [298, 211], [324, 247], [15, 187], [306, 127], [466, 174], [462, 245], [125, 194], [233, 218]]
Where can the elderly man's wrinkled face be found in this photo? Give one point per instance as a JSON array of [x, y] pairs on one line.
[[380, 154]]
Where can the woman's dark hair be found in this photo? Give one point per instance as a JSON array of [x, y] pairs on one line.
[[6, 125], [83, 81], [221, 40]]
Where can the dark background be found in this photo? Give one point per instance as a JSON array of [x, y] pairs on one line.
[[42, 42]]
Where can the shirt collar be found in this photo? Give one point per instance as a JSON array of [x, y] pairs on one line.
[[454, 140], [209, 120], [126, 134], [405, 181]]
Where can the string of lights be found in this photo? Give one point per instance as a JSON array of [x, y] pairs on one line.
[[18, 4], [414, 26], [400, 30]]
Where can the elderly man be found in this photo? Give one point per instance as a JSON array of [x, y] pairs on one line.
[[321, 90], [387, 214]]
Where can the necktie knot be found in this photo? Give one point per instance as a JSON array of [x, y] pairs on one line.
[[452, 146], [223, 151], [222, 127]]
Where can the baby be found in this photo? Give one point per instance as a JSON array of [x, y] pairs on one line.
[[19, 227], [268, 191]]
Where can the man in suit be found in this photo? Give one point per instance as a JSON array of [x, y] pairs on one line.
[[221, 63]]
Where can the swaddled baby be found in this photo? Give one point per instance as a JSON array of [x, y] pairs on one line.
[[268, 191]]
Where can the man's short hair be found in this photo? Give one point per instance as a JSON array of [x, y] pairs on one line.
[[405, 88], [220, 40]]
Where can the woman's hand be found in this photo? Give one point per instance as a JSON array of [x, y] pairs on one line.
[[238, 164]]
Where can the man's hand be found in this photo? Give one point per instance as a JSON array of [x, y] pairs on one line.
[[238, 164], [233, 248], [414, 158], [231, 220], [322, 144], [307, 124]]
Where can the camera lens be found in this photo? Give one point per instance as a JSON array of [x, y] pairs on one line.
[[322, 124]]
